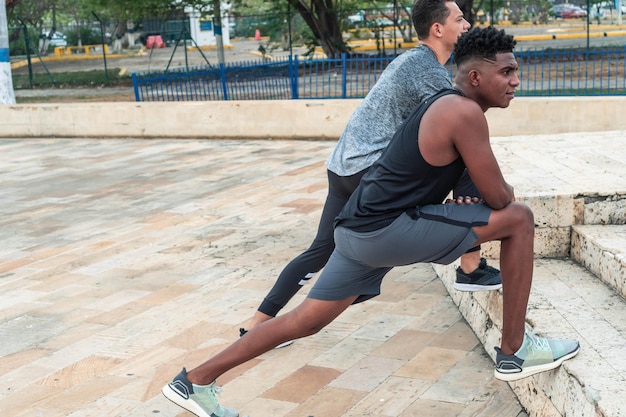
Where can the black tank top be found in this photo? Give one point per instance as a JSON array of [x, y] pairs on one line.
[[401, 180]]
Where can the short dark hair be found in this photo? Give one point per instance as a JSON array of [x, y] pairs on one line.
[[482, 43], [425, 13]]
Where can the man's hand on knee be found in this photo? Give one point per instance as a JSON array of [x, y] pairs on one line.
[[464, 200]]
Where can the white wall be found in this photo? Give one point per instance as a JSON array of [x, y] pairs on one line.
[[283, 119], [203, 31]]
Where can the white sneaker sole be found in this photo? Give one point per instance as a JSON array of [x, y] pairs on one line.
[[284, 344], [535, 369], [186, 404], [475, 288]]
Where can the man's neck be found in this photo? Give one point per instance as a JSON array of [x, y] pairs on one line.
[[468, 92], [441, 53]]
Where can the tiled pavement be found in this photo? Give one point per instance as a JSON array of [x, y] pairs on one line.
[[124, 260]]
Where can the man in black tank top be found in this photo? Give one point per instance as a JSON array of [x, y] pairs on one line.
[[408, 80], [401, 180], [398, 216]]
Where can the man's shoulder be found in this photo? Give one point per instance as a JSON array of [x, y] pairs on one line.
[[421, 54], [454, 97], [441, 94], [466, 111], [417, 66]]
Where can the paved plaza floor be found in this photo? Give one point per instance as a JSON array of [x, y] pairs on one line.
[[124, 260]]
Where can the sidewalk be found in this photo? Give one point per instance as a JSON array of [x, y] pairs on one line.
[[124, 260]]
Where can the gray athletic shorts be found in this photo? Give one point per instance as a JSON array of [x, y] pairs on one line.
[[438, 233]]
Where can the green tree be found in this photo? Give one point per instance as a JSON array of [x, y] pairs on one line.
[[322, 17], [468, 11], [139, 9], [32, 13]]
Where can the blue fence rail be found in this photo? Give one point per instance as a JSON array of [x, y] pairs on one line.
[[542, 73]]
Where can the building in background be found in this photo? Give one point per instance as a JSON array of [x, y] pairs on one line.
[[202, 29]]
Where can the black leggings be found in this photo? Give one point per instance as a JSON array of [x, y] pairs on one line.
[[302, 268]]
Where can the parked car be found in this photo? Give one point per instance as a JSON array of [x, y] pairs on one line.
[[356, 18], [568, 11], [58, 39], [379, 22], [572, 12]]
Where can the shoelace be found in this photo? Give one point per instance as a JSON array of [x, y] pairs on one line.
[[209, 400], [215, 389], [537, 342]]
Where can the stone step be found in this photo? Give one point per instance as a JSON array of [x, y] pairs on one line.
[[602, 250], [567, 301], [555, 215]]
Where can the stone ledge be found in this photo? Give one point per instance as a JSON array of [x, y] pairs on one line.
[[555, 216], [601, 249], [567, 301], [283, 119]]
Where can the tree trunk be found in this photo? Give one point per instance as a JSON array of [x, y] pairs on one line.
[[7, 95], [217, 30], [466, 7], [321, 17]]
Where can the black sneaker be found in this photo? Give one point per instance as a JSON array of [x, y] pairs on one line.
[[484, 278], [243, 331]]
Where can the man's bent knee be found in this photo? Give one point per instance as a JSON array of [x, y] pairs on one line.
[[518, 220], [522, 214]]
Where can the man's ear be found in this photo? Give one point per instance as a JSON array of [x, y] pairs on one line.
[[473, 76], [436, 30]]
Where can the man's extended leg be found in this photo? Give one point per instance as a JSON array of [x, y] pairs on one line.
[[343, 282], [306, 319], [195, 390]]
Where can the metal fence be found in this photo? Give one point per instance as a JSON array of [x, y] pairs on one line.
[[542, 73], [573, 72]]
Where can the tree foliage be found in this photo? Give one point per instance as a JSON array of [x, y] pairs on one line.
[[326, 18], [33, 11], [322, 23], [323, 19]]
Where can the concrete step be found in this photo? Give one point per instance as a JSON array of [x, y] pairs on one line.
[[555, 216], [575, 191], [567, 301], [602, 250]]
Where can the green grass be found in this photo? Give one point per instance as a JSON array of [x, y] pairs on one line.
[[74, 79]]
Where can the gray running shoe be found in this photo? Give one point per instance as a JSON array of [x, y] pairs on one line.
[[537, 354], [484, 278], [197, 399]]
